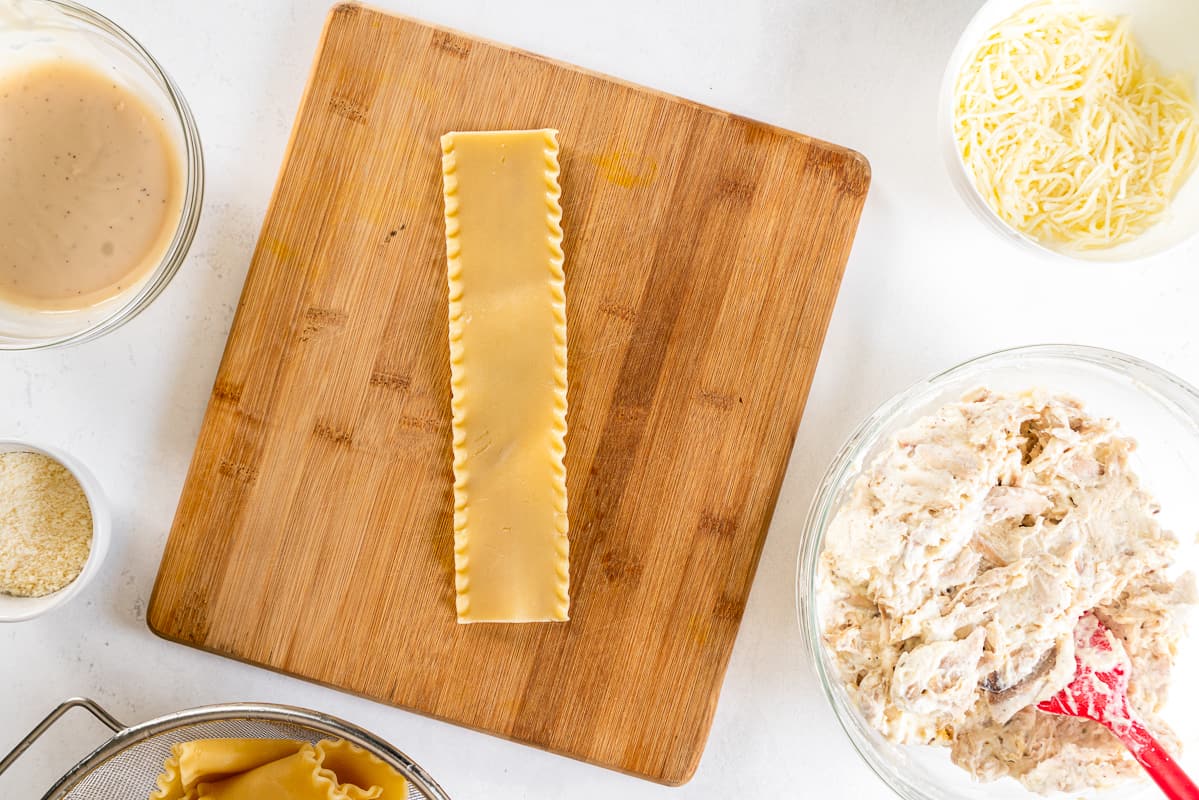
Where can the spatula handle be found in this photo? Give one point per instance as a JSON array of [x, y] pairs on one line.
[[1158, 763]]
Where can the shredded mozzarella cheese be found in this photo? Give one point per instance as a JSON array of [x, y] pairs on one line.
[[1071, 135]]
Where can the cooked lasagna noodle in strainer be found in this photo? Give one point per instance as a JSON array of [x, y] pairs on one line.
[[281, 769]]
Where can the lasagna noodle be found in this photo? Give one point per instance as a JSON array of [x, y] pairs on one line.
[[283, 769], [507, 327]]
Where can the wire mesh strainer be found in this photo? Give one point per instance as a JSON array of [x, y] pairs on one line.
[[127, 765]]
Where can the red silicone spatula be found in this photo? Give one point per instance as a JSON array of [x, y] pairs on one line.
[[1099, 692]]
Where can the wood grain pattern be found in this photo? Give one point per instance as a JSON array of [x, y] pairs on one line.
[[314, 536]]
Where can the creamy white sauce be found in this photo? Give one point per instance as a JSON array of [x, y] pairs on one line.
[[953, 578]]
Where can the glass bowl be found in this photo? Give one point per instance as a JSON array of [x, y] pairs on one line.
[[1156, 408], [1166, 31], [32, 31]]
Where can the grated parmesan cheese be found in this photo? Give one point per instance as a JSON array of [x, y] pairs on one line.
[[1072, 136], [45, 525]]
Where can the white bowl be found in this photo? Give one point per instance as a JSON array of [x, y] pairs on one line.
[[1166, 31], [19, 609]]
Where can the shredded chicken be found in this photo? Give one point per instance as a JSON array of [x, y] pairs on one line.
[[952, 579]]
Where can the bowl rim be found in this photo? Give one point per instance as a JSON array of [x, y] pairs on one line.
[[101, 531], [963, 181], [820, 512], [190, 210]]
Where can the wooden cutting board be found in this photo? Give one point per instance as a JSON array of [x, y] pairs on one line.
[[313, 537]]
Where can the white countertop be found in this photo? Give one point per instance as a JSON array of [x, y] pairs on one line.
[[926, 287]]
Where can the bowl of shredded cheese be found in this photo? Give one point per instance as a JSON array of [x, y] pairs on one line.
[[1072, 125], [54, 529]]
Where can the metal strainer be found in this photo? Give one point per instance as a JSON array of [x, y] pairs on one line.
[[127, 765]]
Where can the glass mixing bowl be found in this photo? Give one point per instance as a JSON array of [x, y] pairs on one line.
[[1156, 408], [38, 30]]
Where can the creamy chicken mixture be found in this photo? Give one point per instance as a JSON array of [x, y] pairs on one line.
[[953, 577]]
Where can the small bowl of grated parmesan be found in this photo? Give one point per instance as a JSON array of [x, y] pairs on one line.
[[1072, 126], [54, 529]]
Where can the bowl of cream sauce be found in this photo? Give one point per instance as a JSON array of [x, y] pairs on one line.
[[101, 175]]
